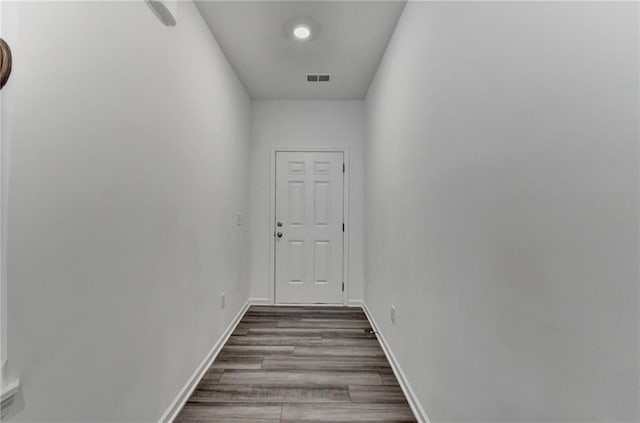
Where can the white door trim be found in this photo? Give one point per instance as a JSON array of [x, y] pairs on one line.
[[272, 215]]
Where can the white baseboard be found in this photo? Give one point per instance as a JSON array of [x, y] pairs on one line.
[[414, 403], [266, 301], [303, 305], [176, 405]]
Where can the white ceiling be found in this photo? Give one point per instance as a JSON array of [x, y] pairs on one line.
[[348, 41]]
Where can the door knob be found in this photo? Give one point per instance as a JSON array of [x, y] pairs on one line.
[[279, 234], [279, 224]]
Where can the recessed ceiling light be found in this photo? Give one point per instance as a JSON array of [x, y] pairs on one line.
[[301, 32]]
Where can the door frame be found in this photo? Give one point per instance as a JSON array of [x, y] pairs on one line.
[[345, 212]]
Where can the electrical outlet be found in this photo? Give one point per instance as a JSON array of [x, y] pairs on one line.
[[222, 304], [393, 315]]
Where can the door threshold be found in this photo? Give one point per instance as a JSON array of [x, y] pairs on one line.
[[306, 305]]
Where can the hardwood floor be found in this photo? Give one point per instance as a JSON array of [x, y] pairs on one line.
[[299, 364]]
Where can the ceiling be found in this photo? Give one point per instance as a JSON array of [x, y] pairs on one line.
[[348, 40]]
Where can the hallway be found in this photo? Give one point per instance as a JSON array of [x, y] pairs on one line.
[[179, 177], [293, 364]]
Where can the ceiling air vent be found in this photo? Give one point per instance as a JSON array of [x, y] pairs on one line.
[[314, 77]]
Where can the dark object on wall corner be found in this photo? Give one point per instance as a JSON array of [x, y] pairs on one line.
[[161, 11], [5, 62]]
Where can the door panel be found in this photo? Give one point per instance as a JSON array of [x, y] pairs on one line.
[[309, 243], [321, 262], [321, 204], [296, 203], [296, 262]]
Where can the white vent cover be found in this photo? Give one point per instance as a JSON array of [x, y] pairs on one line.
[[318, 77]]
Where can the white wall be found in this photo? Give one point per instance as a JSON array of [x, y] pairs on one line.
[[128, 146], [303, 124], [502, 208]]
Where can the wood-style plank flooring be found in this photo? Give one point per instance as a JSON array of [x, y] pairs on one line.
[[299, 364]]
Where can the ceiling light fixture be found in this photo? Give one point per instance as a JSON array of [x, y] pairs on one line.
[[301, 32]]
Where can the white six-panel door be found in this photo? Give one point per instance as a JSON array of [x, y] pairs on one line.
[[309, 227]]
